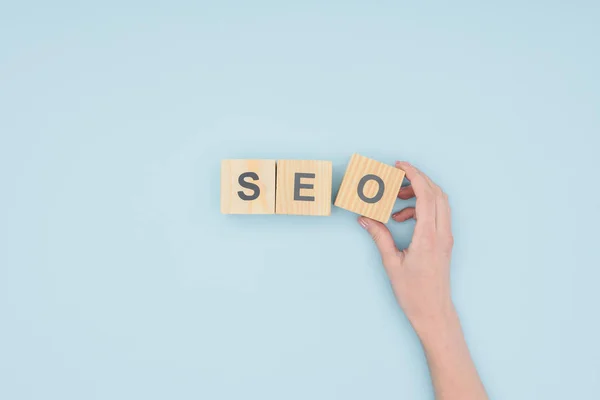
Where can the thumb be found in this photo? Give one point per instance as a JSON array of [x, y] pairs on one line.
[[381, 236]]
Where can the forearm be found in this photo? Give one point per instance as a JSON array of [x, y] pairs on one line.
[[420, 277], [452, 370]]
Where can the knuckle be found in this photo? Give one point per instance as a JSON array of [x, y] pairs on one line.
[[376, 236], [428, 239], [447, 242], [428, 197]]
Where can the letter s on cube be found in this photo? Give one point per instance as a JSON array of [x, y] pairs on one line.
[[369, 188], [248, 186]]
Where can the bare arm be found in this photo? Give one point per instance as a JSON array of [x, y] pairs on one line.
[[420, 278], [452, 370]]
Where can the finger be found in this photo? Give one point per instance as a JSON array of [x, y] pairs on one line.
[[443, 220], [404, 215], [418, 182], [427, 178], [406, 192], [444, 216], [425, 207], [416, 171], [381, 236]]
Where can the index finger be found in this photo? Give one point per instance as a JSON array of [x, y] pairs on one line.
[[425, 207], [420, 184], [442, 218]]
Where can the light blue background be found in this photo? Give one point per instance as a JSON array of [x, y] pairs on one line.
[[120, 279]]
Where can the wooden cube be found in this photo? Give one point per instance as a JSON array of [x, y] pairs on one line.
[[248, 186], [303, 187], [369, 188]]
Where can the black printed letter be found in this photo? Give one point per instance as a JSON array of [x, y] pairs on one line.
[[361, 188], [298, 186], [248, 185]]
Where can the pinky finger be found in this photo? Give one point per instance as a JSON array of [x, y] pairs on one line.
[[404, 215]]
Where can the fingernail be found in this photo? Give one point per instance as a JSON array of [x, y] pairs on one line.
[[363, 222]]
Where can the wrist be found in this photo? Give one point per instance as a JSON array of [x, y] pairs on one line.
[[433, 326]]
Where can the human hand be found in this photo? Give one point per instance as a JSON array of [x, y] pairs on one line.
[[420, 274], [420, 277]]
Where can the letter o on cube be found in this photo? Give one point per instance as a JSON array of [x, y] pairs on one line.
[[369, 188]]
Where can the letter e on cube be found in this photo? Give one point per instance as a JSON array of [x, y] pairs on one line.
[[303, 187]]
